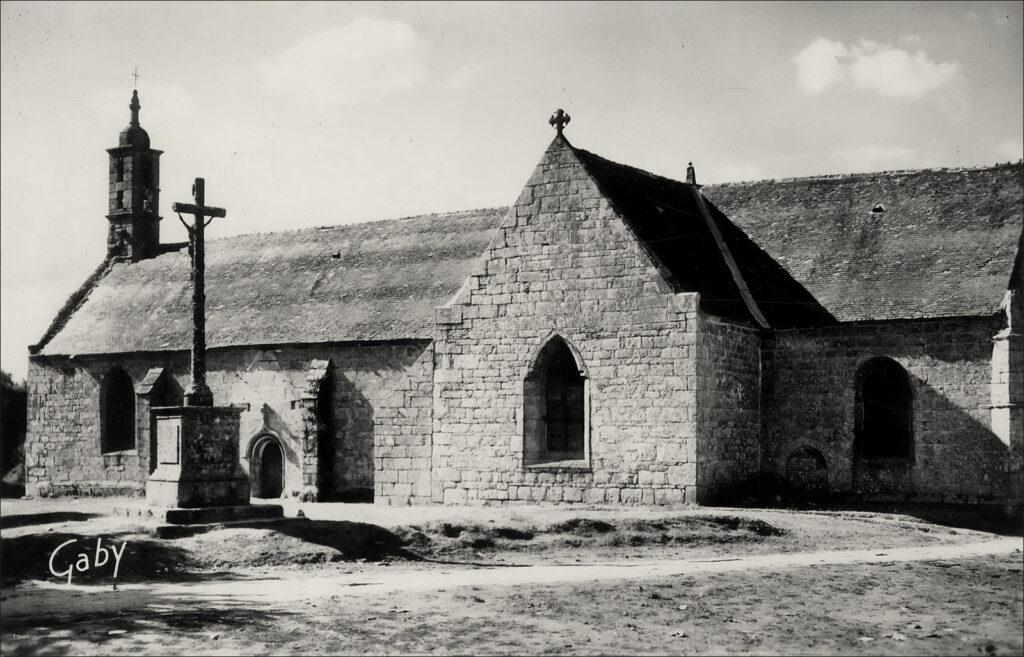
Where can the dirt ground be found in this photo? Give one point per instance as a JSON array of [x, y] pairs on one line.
[[523, 580]]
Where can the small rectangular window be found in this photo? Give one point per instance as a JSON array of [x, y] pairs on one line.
[[120, 199], [120, 170]]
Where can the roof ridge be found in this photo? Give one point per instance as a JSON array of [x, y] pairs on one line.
[[822, 176], [869, 174], [367, 222], [630, 167]]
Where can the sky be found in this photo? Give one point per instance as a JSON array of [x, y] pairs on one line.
[[304, 114]]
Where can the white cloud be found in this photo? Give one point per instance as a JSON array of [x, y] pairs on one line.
[[1010, 150], [894, 72], [359, 62], [872, 66], [818, 65], [464, 75]]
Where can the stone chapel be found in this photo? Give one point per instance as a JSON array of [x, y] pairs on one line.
[[613, 336]]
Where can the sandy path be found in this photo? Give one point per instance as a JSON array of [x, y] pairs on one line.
[[39, 598]]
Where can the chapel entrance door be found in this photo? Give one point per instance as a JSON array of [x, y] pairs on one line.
[[271, 470]]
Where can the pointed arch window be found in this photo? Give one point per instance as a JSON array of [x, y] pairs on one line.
[[884, 425], [555, 413], [117, 412]]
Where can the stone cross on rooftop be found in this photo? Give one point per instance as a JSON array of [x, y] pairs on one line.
[[559, 119]]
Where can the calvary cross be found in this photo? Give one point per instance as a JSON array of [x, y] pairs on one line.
[[198, 393]]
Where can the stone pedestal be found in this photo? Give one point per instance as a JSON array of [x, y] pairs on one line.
[[197, 459]]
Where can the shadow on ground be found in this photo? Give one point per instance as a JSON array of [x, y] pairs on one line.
[[11, 490], [768, 491], [297, 541], [107, 627], [346, 541], [994, 519], [144, 559], [24, 520]]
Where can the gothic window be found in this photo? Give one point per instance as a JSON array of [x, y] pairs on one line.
[[117, 412], [555, 406], [884, 421], [564, 404]]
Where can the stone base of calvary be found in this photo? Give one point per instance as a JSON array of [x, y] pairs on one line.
[[197, 458], [198, 476]]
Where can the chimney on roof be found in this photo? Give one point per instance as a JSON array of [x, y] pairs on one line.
[[691, 175]]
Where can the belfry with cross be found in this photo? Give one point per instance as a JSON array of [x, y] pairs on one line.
[[134, 192]]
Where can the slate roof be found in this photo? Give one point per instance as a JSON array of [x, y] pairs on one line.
[[665, 216], [370, 281], [944, 247]]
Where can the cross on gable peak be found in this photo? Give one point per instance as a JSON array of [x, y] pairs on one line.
[[559, 120]]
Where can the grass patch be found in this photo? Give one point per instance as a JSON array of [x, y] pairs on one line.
[[450, 540]]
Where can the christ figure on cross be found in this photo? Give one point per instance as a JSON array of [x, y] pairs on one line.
[[198, 393]]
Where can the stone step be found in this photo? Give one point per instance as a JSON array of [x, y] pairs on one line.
[[209, 514], [184, 531]]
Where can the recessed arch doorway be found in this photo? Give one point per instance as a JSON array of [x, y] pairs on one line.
[[267, 468]]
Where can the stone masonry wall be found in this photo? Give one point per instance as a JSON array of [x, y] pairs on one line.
[[728, 406], [382, 405], [62, 446], [564, 263], [810, 402]]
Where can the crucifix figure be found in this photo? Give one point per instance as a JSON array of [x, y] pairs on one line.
[[135, 74], [198, 393], [559, 119]]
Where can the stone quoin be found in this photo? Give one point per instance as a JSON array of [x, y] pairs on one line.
[[613, 336]]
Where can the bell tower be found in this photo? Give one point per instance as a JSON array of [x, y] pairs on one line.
[[134, 188]]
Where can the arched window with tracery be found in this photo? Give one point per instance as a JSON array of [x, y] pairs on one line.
[[884, 422], [117, 412]]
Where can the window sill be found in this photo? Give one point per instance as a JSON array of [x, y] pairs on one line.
[[119, 458], [572, 465]]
